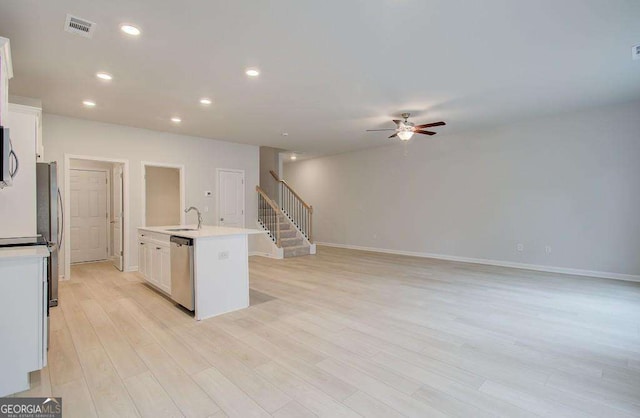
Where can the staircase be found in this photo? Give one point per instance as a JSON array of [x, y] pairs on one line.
[[287, 222]]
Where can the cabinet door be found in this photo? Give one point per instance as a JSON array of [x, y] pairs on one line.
[[156, 275], [150, 267], [142, 259], [165, 276], [18, 202]]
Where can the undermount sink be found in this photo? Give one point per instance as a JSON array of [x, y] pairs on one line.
[[182, 229]]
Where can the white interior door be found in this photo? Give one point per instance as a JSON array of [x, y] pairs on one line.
[[116, 221], [88, 212], [231, 198]]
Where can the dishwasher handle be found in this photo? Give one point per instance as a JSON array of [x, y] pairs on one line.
[[181, 240]]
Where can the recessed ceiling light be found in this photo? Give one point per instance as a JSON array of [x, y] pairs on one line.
[[205, 101], [176, 119], [130, 30], [293, 157], [104, 76], [252, 72], [89, 103]]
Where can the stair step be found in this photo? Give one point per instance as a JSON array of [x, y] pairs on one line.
[[296, 251], [288, 233], [290, 242]]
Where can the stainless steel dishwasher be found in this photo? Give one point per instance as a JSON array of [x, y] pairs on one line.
[[182, 271]]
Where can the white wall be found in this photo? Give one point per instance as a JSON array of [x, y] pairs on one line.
[[162, 196], [200, 156], [269, 161], [571, 182]]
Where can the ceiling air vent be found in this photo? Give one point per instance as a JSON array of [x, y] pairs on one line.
[[82, 27]]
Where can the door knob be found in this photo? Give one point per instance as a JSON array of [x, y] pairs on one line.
[[222, 219]]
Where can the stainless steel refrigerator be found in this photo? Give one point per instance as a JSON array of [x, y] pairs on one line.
[[50, 221]]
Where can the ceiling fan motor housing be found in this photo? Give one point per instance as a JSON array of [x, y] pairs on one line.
[[406, 126]]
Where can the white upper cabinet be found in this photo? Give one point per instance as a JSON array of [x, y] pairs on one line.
[[6, 72], [18, 202]]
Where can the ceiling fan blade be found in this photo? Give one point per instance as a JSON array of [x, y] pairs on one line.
[[430, 125], [394, 135], [397, 121], [424, 132], [376, 130]]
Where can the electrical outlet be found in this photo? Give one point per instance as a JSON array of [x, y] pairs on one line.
[[635, 52], [206, 209], [547, 249], [208, 193], [223, 255], [520, 247]]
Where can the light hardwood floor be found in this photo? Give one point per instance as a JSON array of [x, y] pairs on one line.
[[349, 333]]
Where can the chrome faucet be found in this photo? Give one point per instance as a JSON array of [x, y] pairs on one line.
[[199, 215]]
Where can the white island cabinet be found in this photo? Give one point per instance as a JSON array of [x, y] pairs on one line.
[[23, 315], [154, 259], [220, 265]]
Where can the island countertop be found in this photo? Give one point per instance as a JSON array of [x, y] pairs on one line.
[[207, 231]]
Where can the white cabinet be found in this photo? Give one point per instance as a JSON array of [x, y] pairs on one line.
[[6, 72], [39, 145], [23, 315], [165, 269], [18, 202], [148, 260], [154, 260]]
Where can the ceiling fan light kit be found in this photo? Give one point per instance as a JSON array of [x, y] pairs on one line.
[[405, 135], [405, 129]]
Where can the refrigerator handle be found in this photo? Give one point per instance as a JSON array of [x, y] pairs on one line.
[[16, 162], [60, 221]]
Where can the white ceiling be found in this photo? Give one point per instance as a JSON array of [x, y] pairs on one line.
[[330, 69]]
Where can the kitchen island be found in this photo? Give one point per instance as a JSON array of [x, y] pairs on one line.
[[219, 260]]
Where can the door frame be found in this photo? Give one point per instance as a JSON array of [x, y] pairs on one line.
[[218, 194], [67, 203], [114, 256], [108, 218], [143, 176]]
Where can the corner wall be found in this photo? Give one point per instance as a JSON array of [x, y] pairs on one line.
[[269, 161], [570, 182]]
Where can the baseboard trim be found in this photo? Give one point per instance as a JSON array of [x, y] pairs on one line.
[[131, 269], [498, 263], [261, 254], [258, 253]]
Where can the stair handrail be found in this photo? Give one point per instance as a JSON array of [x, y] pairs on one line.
[[282, 181], [294, 207], [268, 223]]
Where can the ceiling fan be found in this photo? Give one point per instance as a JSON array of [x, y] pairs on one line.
[[405, 130]]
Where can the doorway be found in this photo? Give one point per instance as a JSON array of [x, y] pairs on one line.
[[162, 194], [96, 193], [89, 210], [230, 198]]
